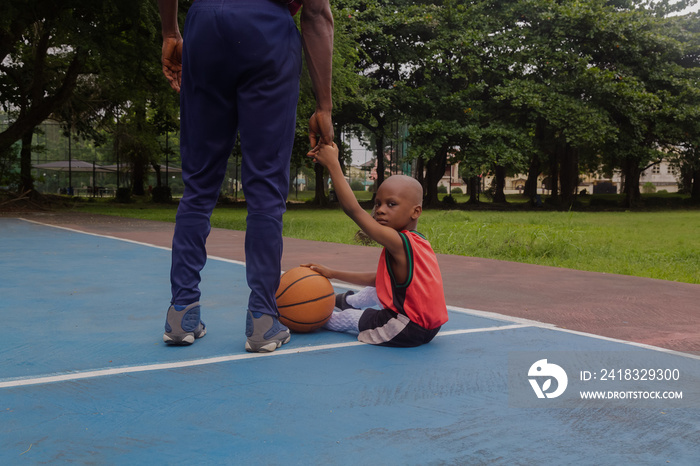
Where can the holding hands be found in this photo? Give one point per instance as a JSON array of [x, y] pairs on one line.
[[326, 155]]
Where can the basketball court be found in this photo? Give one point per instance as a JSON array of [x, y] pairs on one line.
[[86, 378]]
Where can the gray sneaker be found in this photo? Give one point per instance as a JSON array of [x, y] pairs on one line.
[[183, 325], [265, 333]]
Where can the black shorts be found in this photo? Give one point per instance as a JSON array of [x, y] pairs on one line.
[[387, 328]]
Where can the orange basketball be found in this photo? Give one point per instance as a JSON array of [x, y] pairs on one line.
[[305, 299]]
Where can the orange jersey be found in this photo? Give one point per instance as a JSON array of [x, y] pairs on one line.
[[421, 298]]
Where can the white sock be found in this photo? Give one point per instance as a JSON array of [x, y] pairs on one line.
[[345, 321], [366, 297]]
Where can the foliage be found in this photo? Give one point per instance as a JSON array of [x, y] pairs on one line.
[[500, 87], [449, 201], [87, 65], [563, 85], [356, 185], [123, 196], [9, 176], [162, 194]]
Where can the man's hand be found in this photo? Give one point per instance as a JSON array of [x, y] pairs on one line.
[[172, 61], [320, 129]]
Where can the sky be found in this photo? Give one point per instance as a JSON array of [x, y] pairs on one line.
[[691, 9]]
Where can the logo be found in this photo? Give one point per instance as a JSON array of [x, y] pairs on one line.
[[542, 370]]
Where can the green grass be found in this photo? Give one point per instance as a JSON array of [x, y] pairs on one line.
[[664, 245], [658, 244]]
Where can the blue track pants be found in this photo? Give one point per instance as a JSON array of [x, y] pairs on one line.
[[241, 66]]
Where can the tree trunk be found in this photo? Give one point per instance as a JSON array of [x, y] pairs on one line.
[[420, 175], [631, 173], [695, 190], [568, 175], [320, 197], [156, 169], [554, 177], [532, 176], [499, 195], [380, 159], [138, 174], [25, 163], [535, 163], [435, 169], [685, 185], [473, 186]]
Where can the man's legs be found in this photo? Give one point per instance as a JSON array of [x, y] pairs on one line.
[[240, 58], [208, 130], [267, 100]]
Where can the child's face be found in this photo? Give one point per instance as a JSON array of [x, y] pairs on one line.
[[394, 209]]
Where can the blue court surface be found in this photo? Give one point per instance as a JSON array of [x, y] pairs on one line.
[[86, 378]]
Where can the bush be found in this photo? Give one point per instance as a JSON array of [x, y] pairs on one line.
[[442, 189], [457, 191], [162, 194], [356, 185], [607, 201], [648, 188], [123, 195], [449, 201], [662, 201]]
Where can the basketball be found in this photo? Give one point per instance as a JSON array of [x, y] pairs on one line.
[[305, 299]]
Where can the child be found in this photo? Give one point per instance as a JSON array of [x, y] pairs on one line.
[[407, 280]]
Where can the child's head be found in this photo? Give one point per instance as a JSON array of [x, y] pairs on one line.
[[399, 202]]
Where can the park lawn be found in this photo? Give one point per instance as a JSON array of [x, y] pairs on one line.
[[659, 244]]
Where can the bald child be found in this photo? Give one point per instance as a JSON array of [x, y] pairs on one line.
[[405, 291]]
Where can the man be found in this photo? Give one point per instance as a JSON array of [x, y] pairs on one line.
[[238, 69]]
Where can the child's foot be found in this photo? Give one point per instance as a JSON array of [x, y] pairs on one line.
[[183, 325], [265, 333]]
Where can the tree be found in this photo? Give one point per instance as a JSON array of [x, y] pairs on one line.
[[345, 90], [48, 50], [683, 112], [382, 33]]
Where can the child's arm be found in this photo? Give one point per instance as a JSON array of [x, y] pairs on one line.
[[386, 236], [356, 278]]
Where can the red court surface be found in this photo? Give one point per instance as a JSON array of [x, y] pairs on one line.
[[654, 312]]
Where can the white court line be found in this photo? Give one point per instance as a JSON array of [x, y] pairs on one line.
[[222, 259], [534, 323], [464, 331], [26, 381]]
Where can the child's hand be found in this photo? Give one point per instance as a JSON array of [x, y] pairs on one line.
[[324, 154], [325, 271]]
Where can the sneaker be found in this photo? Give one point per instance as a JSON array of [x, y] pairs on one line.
[[341, 300], [265, 333], [183, 325]]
